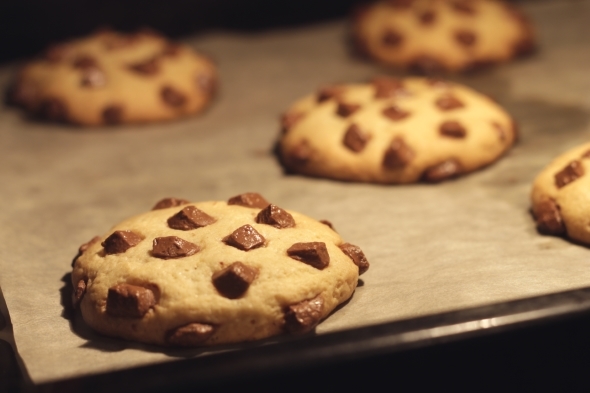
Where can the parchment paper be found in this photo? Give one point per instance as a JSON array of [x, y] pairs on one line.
[[432, 248]]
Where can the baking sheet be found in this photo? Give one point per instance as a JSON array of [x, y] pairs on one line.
[[433, 248]]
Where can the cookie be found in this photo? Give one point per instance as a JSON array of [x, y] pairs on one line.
[[112, 78], [187, 274], [394, 131], [442, 35], [561, 198]]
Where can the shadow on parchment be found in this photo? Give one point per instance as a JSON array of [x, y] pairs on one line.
[[109, 344], [545, 131]]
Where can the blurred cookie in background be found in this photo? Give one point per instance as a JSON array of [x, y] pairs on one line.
[[111, 78], [430, 36]]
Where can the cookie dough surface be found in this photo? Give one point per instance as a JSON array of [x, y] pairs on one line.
[[214, 272], [394, 131], [561, 196], [438, 35], [111, 78]]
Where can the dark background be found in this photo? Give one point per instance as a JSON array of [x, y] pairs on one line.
[[28, 26]]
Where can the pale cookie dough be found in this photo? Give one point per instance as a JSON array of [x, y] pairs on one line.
[[561, 196], [111, 78], [208, 273], [394, 131], [442, 35]]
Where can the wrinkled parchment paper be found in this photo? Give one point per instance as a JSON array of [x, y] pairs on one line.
[[432, 248]]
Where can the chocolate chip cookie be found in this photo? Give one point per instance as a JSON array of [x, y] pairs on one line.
[[560, 198], [112, 78], [187, 274], [442, 35], [394, 131]]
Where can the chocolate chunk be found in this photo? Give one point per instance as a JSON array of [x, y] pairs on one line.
[[452, 129], [427, 17], [449, 102], [357, 256], [245, 238], [147, 67], [233, 281], [392, 38], [313, 253], [443, 171], [345, 110], [400, 3], [303, 316], [524, 47], [85, 61], [170, 202], [398, 155], [249, 199], [171, 50], [386, 87], [173, 97], [361, 45], [85, 247], [170, 247], [120, 241], [465, 38], [93, 77], [190, 218], [328, 93], [79, 291], [586, 154], [53, 109], [328, 223], [395, 113], [129, 301], [112, 114], [426, 65], [548, 218], [571, 172], [355, 139], [190, 335], [289, 119], [500, 130], [207, 83], [301, 153], [275, 216], [464, 7]]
